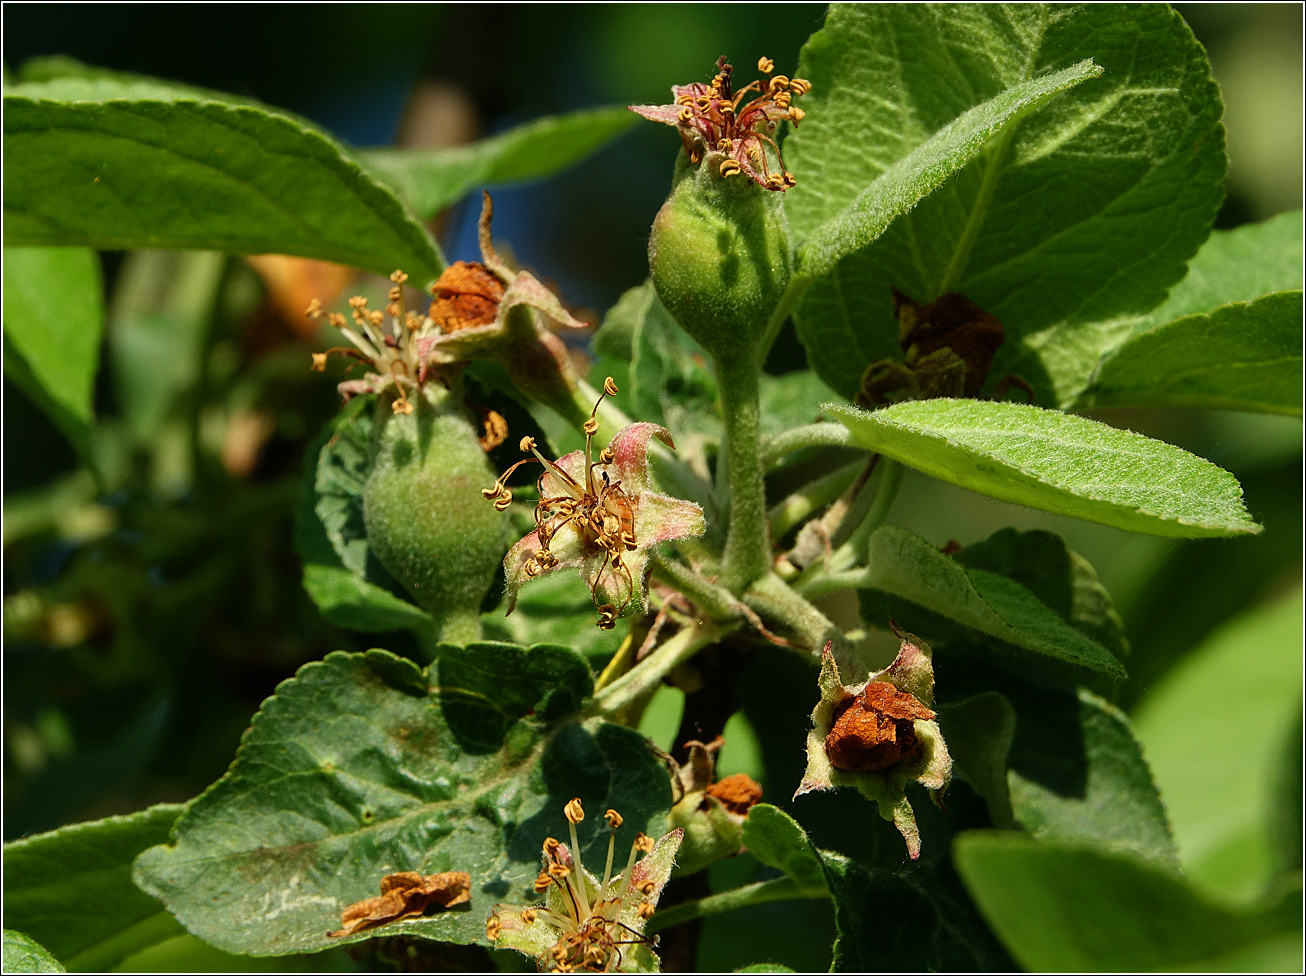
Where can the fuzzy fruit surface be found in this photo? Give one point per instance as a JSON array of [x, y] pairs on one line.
[[426, 519], [720, 258]]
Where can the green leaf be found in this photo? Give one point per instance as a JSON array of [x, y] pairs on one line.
[[163, 302], [905, 565], [1077, 774], [1061, 579], [1237, 265], [115, 163], [777, 840], [1062, 908], [23, 954], [1072, 223], [1058, 463], [350, 773], [906, 182], [1228, 705], [920, 920], [791, 400], [1244, 356], [554, 609], [670, 380], [978, 732], [72, 890], [431, 179], [54, 317], [345, 580]]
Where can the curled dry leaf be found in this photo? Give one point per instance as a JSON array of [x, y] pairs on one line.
[[405, 895]]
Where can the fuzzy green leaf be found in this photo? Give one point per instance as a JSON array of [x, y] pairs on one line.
[[431, 179], [1063, 908], [904, 565], [345, 580], [978, 732], [71, 889], [1228, 705], [925, 169], [354, 770], [918, 921], [23, 954], [1072, 223], [133, 163], [1056, 462], [1228, 336], [1078, 774], [776, 839], [53, 320]]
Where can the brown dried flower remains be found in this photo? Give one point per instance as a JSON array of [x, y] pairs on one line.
[[405, 895], [873, 731], [737, 793], [467, 295]]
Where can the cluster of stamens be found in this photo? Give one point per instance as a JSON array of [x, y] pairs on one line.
[[715, 117], [389, 348], [597, 510], [588, 928]]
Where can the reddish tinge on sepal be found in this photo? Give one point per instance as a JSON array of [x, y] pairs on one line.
[[736, 136], [600, 517]]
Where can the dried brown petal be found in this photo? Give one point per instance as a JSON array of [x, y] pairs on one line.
[[467, 295], [737, 793], [873, 731], [405, 894], [951, 321]]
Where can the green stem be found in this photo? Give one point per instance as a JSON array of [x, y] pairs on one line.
[[460, 626], [775, 448], [802, 504], [778, 889], [715, 601], [645, 676], [773, 599], [853, 551], [748, 534], [793, 291]]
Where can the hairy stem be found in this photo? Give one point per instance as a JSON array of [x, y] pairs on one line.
[[748, 534], [645, 676], [802, 504], [778, 889], [773, 599], [796, 438], [715, 601]]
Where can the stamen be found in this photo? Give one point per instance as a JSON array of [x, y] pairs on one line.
[[730, 167], [314, 309], [575, 814], [765, 65]]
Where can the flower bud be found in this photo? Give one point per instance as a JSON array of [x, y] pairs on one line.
[[426, 520], [720, 257]]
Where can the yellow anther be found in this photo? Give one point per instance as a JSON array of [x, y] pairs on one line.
[[526, 444], [394, 294], [727, 108], [704, 102], [528, 915], [647, 888], [686, 113], [559, 871], [594, 956], [413, 321], [610, 386], [723, 145], [573, 811], [607, 617], [402, 405], [393, 309], [314, 309], [782, 99], [613, 818], [775, 181], [778, 83], [765, 65], [358, 301], [591, 427], [398, 277], [685, 99], [492, 927], [646, 910], [551, 845], [730, 167], [643, 843], [319, 362], [542, 881], [606, 456], [338, 320], [375, 317], [532, 570], [800, 86], [796, 115]]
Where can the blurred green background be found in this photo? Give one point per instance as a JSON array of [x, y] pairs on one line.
[[145, 622]]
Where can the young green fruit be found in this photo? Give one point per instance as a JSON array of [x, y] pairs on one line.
[[720, 257], [426, 520]]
